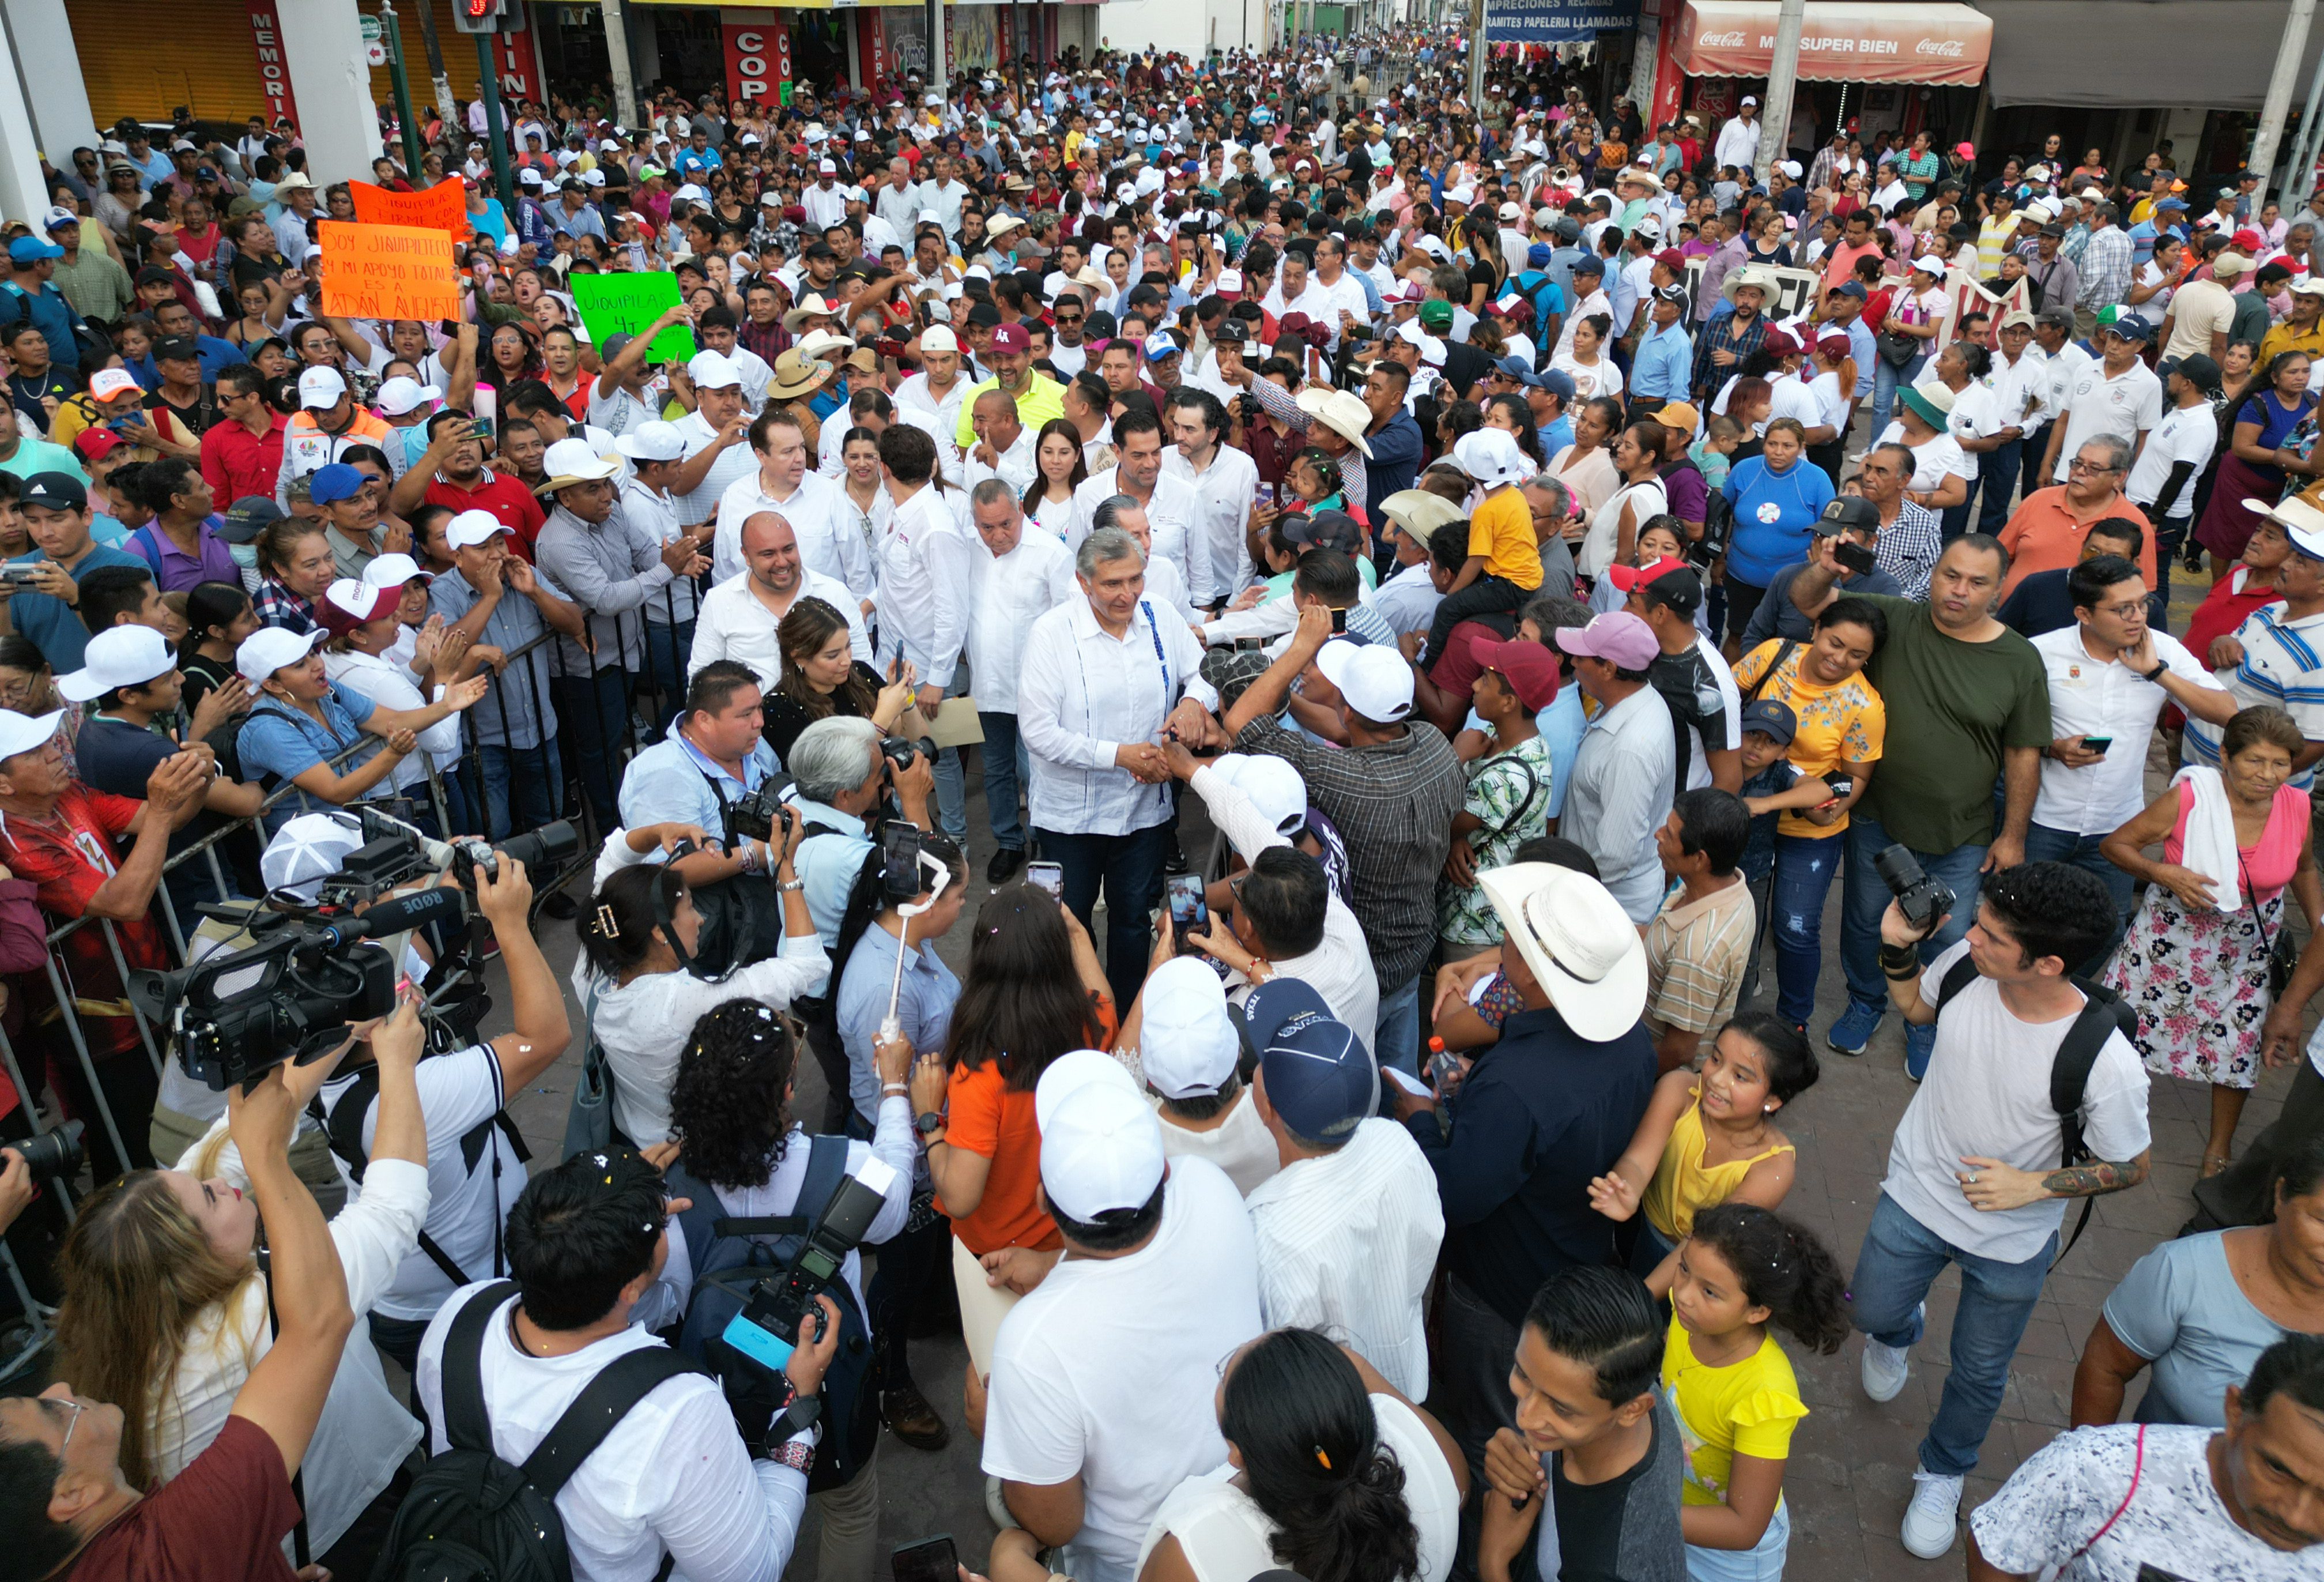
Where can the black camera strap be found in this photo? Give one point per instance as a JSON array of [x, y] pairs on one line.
[[301, 1546], [342, 1126]]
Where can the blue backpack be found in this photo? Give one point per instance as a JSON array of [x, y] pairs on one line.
[[731, 1254]]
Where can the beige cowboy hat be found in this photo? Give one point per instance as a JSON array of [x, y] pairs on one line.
[[811, 306], [1419, 512], [824, 344], [1576, 942], [1342, 412], [1749, 274], [796, 374], [571, 462], [2299, 519]]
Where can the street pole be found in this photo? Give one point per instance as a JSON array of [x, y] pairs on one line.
[[2300, 175], [2279, 84], [495, 128], [439, 78], [1476, 57], [617, 55], [393, 35], [1782, 75]]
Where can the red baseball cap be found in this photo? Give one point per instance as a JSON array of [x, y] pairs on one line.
[[2247, 241], [1631, 578], [1529, 669], [96, 444], [1671, 259], [1011, 337]]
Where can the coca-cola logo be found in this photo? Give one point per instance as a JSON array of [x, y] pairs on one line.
[[1726, 40], [1953, 49]]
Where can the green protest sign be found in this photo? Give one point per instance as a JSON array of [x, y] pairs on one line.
[[626, 304]]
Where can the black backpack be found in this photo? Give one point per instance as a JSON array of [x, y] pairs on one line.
[[2103, 1013], [472, 1517], [342, 1128], [731, 1255]]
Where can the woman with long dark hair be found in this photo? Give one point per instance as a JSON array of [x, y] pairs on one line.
[[822, 677], [1330, 1472], [218, 617], [1034, 991]]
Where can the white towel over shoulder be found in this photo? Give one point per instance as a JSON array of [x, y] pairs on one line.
[[2210, 845]]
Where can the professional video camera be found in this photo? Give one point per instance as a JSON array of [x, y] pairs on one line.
[[291, 997], [395, 854]]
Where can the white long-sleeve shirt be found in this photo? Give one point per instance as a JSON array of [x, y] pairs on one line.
[[925, 571], [1018, 465], [1174, 514], [1081, 694], [1738, 144], [936, 416], [391, 686], [733, 625], [822, 521], [642, 1025], [1223, 491], [671, 1476], [365, 1433], [1012, 592]]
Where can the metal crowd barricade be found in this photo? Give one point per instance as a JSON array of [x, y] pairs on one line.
[[599, 728]]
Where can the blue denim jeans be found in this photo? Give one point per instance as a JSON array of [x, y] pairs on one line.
[[1804, 868], [1900, 1259], [1762, 1562], [592, 714], [1885, 381], [1130, 866], [538, 778], [2044, 845], [1996, 476], [1005, 770], [1867, 897], [1395, 1034]]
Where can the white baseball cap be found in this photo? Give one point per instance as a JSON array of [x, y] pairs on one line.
[[939, 337], [308, 850], [108, 383], [22, 733], [1375, 680], [575, 461], [1489, 455], [1277, 793], [827, 168], [394, 571], [270, 648], [399, 395], [1751, 101], [318, 387], [1075, 1069], [712, 371], [1100, 1152], [652, 441], [471, 528], [119, 656], [1189, 1047]]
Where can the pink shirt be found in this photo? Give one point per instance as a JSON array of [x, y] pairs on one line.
[[2270, 862]]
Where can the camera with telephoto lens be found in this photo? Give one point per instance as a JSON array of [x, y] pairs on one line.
[[900, 751], [768, 1329], [540, 850], [758, 816], [1919, 898], [293, 994], [55, 1153]]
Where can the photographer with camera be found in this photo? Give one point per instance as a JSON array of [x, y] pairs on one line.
[[1975, 1175], [663, 1468], [640, 998], [164, 1303], [66, 1506], [745, 1157], [843, 769], [713, 759], [475, 1163]]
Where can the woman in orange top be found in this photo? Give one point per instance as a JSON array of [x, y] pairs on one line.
[[1034, 991]]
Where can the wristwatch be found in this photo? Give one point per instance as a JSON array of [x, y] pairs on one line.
[[928, 1121], [789, 886], [2156, 673]]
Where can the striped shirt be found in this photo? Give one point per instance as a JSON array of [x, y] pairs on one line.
[[2281, 666], [1347, 1243], [1695, 955]]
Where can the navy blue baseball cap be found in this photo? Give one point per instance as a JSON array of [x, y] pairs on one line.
[[1318, 1075], [1519, 369], [1589, 263]]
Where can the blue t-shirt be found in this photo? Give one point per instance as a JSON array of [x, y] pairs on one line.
[[54, 626], [276, 742], [1775, 513], [2273, 422]]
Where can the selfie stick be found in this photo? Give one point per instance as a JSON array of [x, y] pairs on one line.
[[889, 1028]]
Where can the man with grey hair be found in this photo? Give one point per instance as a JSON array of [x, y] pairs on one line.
[[1017, 578], [838, 779], [2046, 531], [1552, 504], [1101, 678], [1165, 585]]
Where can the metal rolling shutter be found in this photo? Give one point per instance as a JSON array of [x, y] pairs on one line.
[[144, 58]]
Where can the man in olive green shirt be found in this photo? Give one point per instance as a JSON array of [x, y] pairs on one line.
[[91, 278]]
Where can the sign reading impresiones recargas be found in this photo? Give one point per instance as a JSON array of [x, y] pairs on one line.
[[1555, 21]]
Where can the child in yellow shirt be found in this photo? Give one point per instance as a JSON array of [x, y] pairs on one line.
[[1504, 565]]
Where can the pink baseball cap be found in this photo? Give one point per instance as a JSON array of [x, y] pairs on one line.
[[1617, 637]]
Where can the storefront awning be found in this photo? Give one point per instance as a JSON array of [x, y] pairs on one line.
[[2132, 52], [1842, 40]]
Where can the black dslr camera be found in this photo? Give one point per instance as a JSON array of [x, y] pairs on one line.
[[758, 816], [900, 751], [1921, 898]]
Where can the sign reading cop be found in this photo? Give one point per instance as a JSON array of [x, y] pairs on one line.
[[1555, 21], [388, 271], [758, 59]]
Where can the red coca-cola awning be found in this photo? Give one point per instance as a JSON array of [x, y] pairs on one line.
[[1842, 40]]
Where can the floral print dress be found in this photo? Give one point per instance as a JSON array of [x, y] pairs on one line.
[[2199, 980]]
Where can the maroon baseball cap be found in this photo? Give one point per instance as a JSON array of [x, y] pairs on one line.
[[1529, 669], [1671, 259], [1011, 337]]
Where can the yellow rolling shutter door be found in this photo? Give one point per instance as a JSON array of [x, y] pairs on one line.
[[144, 58]]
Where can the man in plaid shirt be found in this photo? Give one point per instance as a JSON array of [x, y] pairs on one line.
[[1729, 337], [2105, 266]]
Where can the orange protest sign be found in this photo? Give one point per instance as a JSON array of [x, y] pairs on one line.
[[442, 207], [388, 271]]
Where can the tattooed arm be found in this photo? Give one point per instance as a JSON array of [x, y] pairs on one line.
[[1988, 1184]]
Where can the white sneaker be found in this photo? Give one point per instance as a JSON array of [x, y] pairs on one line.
[[1886, 1369], [1931, 1520]]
